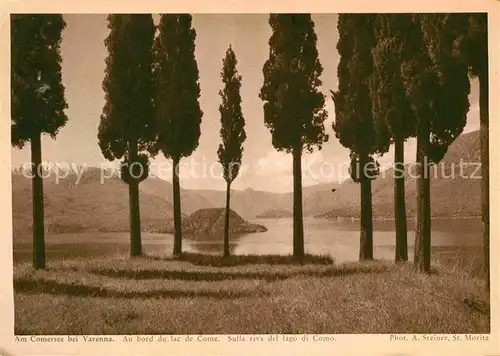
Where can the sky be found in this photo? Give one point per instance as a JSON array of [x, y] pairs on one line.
[[263, 168]]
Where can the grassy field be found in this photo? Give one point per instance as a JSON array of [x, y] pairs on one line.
[[198, 294]]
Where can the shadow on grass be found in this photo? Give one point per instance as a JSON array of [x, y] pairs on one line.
[[199, 259], [334, 271], [30, 286]]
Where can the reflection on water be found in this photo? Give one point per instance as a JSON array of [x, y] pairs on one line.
[[455, 241], [209, 243]]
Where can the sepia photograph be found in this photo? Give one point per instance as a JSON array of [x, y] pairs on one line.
[[250, 177]]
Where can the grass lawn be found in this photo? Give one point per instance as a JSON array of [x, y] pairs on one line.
[[197, 294]]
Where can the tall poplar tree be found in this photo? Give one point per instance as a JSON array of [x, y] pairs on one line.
[[177, 110], [354, 124], [232, 131], [438, 86], [127, 127], [473, 49], [391, 107], [38, 101], [293, 103]]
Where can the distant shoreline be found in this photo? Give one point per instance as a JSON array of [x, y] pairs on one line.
[[24, 234], [342, 218]]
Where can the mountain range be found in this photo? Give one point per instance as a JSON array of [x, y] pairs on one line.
[[95, 205]]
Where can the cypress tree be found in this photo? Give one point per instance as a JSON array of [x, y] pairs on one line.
[[391, 107], [293, 103], [472, 46], [354, 124], [127, 128], [232, 131], [438, 86], [177, 110], [37, 100]]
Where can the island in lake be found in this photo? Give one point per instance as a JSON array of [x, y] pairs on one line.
[[211, 221]]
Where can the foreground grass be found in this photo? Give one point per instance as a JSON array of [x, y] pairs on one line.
[[205, 295]]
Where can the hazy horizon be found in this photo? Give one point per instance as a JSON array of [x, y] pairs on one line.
[[83, 53]]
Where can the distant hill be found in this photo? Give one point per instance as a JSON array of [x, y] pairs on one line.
[[317, 199], [248, 203], [251, 203], [451, 195], [95, 204], [88, 205], [191, 200], [275, 214]]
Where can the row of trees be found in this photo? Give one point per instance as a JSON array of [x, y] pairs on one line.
[[152, 90], [400, 76], [151, 105]]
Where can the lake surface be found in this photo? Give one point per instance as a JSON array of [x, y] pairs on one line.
[[454, 242]]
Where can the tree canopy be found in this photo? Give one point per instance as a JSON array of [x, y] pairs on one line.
[[37, 92], [293, 103], [438, 83], [127, 119], [354, 124], [232, 131], [177, 110], [395, 43]]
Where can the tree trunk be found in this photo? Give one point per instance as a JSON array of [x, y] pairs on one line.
[[135, 220], [226, 221], [298, 224], [135, 215], [422, 255], [177, 209], [366, 219], [38, 215], [485, 171], [399, 202]]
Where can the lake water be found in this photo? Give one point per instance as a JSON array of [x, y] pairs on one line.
[[454, 241]]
